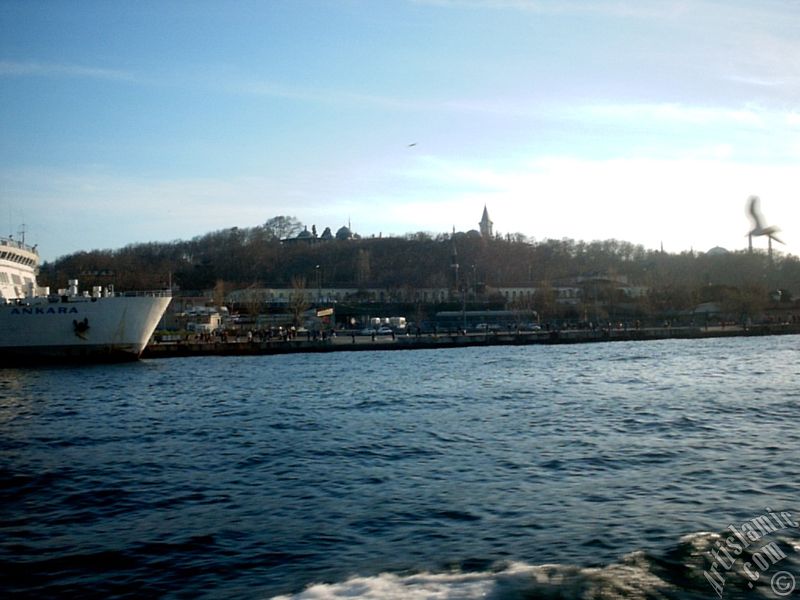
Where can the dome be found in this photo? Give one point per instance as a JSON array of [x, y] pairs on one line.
[[344, 233], [304, 235]]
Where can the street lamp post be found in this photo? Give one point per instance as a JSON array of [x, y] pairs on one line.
[[464, 305], [319, 284]]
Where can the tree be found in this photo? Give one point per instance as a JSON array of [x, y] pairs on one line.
[[282, 227], [523, 307], [298, 300], [746, 303], [253, 299], [544, 301], [219, 293], [363, 267]]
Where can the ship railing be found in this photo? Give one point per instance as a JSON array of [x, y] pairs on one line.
[[17, 244], [146, 293]]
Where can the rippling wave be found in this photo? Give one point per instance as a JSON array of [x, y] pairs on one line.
[[507, 472]]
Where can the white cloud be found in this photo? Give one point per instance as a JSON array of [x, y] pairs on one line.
[[38, 69], [748, 133], [693, 202], [93, 208], [572, 7], [762, 57], [697, 201], [255, 87], [494, 106], [673, 113], [761, 81]]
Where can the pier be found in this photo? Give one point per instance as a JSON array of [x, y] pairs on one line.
[[241, 346]]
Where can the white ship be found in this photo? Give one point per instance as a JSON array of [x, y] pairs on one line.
[[39, 326]]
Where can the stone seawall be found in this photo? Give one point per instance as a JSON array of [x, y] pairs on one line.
[[347, 343]]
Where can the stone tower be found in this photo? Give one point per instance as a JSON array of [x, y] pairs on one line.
[[486, 224]]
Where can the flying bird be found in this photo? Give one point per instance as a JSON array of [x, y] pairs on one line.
[[412, 145], [754, 210]]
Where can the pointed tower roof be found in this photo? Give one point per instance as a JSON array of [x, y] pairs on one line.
[[486, 224]]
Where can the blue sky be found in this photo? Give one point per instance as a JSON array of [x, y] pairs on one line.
[[647, 121]]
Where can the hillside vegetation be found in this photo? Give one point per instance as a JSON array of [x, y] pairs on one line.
[[256, 257]]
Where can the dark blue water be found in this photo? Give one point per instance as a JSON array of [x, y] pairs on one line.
[[599, 470]]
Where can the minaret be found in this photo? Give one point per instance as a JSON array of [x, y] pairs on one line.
[[486, 224]]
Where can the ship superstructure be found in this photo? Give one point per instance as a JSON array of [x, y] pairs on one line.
[[18, 264]]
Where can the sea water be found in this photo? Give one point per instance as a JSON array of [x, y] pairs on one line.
[[588, 471]]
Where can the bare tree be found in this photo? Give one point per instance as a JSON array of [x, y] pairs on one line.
[[298, 300], [363, 267], [253, 299], [218, 295], [283, 227], [544, 301]]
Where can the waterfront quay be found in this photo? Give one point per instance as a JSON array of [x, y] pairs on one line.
[[343, 342]]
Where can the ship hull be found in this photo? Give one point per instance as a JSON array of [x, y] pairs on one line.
[[109, 329], [56, 355]]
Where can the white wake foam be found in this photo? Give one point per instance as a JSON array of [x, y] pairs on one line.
[[635, 576], [515, 581]]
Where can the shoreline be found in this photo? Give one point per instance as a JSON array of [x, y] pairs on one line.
[[346, 343]]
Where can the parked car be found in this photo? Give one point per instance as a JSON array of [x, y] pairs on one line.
[[385, 330]]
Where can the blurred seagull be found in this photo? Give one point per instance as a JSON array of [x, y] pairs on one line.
[[753, 208]]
